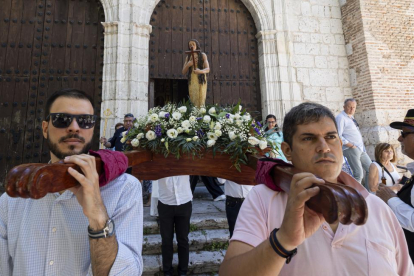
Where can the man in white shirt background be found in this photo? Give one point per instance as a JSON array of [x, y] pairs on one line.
[[174, 210], [403, 203], [353, 144]]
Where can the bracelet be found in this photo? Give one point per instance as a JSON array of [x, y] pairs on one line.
[[278, 248]]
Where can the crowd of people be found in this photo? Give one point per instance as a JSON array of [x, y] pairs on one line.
[[93, 230]]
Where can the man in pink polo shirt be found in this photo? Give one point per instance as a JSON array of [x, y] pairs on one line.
[[301, 242]]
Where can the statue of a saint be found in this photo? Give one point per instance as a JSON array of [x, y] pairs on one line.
[[197, 67]]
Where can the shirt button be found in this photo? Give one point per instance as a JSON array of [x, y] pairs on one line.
[[53, 229], [51, 262], [324, 227]]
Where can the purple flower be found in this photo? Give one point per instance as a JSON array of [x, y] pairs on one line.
[[258, 123], [258, 132], [227, 115], [167, 115], [199, 118], [200, 133], [158, 130]]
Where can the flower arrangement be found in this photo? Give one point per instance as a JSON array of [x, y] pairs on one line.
[[185, 129]]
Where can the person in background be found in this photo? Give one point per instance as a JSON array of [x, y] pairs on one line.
[[211, 184], [147, 191], [118, 126], [174, 211], [352, 143], [275, 136], [115, 141], [383, 169], [235, 195]]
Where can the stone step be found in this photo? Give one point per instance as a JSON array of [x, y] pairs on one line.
[[199, 221], [201, 262], [207, 240]]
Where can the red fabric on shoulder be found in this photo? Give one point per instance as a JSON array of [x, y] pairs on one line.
[[115, 163], [264, 167]]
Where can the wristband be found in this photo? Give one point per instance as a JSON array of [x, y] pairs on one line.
[[278, 248]]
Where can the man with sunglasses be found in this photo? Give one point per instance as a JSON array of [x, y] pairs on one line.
[[353, 144], [85, 230], [403, 203], [115, 141]]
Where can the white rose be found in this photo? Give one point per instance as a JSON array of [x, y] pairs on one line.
[[206, 119], [253, 141], [203, 110], [182, 109], [246, 117], [162, 140], [218, 132], [176, 115], [188, 139], [239, 122], [195, 138], [193, 119], [232, 135], [217, 126], [262, 144], [212, 136], [186, 124], [237, 116], [123, 139], [212, 110], [180, 130], [153, 118], [140, 136], [172, 133], [135, 142], [150, 135], [211, 143], [230, 120], [162, 114]]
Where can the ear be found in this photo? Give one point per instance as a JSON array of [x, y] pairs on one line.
[[287, 151], [45, 126]]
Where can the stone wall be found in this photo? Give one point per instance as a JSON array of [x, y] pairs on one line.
[[380, 47]]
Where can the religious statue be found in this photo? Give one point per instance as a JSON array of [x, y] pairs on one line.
[[197, 73]]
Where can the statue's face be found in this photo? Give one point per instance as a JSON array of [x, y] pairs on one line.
[[192, 45]]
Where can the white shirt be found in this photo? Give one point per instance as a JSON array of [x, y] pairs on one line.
[[348, 131], [403, 211], [395, 175], [175, 190], [236, 190], [49, 236]]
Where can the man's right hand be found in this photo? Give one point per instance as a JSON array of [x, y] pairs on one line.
[[300, 222], [103, 140]]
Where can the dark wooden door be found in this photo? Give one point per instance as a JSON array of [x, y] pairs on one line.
[[226, 32], [45, 45]]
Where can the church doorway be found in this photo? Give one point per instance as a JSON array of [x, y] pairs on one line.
[[226, 32], [170, 90]]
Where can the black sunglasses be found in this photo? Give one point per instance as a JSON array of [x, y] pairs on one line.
[[404, 134], [63, 120]]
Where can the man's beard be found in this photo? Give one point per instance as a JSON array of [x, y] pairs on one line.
[[54, 147]]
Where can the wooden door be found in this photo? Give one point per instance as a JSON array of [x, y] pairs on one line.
[[45, 45], [226, 32]]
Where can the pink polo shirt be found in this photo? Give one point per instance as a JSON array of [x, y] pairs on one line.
[[376, 248]]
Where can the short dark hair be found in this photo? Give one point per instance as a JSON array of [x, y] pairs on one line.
[[129, 115], [68, 93], [304, 114], [349, 100]]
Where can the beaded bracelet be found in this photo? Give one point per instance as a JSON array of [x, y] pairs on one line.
[[278, 248]]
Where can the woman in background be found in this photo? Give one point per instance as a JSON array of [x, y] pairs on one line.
[[275, 136]]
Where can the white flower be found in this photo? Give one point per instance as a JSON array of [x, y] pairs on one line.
[[218, 132], [246, 117], [153, 118], [211, 143], [135, 142], [172, 133], [212, 110], [193, 119], [186, 124], [124, 133], [182, 109], [253, 141], [195, 138], [123, 139], [212, 136], [239, 122], [188, 139], [229, 120], [140, 136], [203, 110], [162, 140], [217, 126], [176, 115], [206, 119], [240, 107], [212, 125], [263, 144], [187, 131], [180, 130], [162, 114], [150, 135], [237, 116], [232, 135]]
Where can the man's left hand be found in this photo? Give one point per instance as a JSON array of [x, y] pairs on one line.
[[385, 193], [88, 193]]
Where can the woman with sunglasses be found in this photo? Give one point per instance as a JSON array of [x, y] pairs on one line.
[[275, 136], [382, 169]]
